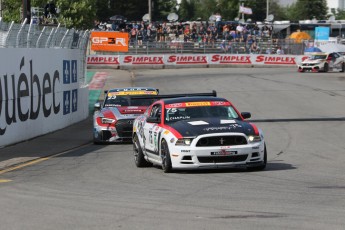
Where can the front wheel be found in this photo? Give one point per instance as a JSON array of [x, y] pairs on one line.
[[166, 160], [342, 67], [139, 158], [326, 67]]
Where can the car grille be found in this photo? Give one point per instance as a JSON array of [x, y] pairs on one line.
[[222, 159], [221, 141], [124, 127], [308, 64]]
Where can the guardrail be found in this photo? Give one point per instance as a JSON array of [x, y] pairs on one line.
[[32, 35]]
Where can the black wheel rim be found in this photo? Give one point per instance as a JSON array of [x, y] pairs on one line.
[[136, 150], [164, 156]]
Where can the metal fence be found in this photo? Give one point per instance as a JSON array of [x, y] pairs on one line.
[[32, 35], [264, 46]]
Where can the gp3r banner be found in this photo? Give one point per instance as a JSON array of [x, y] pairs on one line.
[[109, 41]]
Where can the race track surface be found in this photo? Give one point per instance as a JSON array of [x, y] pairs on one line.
[[303, 186]]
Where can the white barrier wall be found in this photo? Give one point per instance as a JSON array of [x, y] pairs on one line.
[[195, 59], [39, 92]]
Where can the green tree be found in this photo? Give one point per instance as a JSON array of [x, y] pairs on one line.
[[307, 9]]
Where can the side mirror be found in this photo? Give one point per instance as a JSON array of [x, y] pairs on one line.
[[97, 106], [246, 115], [153, 120]]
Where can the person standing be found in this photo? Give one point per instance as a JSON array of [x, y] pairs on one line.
[[218, 21]]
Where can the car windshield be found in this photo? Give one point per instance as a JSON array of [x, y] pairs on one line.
[[316, 57], [117, 101], [196, 112]]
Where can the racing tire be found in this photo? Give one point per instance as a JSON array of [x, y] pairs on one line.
[[325, 68], [166, 160], [342, 67], [263, 166], [139, 158]]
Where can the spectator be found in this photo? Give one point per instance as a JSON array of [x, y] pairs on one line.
[[280, 50], [218, 21], [254, 49], [224, 47], [140, 36]]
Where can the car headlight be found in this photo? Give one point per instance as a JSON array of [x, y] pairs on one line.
[[254, 138], [184, 141], [107, 120]]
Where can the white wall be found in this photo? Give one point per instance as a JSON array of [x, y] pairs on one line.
[[39, 92]]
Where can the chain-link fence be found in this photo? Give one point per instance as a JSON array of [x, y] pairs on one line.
[[32, 35], [281, 46]]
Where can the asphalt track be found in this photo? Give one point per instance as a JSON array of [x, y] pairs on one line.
[[68, 183]]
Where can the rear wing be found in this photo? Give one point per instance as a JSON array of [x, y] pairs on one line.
[[158, 97]]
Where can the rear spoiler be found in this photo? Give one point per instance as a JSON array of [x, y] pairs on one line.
[[106, 91], [158, 97]]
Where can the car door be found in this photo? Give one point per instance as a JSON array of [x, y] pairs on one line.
[[151, 131]]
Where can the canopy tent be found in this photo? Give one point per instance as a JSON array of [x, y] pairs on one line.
[[312, 49], [300, 36], [332, 47]]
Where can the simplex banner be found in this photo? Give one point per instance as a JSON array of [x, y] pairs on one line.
[[195, 59]]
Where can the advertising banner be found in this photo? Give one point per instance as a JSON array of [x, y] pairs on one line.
[[38, 97], [109, 41], [195, 59]]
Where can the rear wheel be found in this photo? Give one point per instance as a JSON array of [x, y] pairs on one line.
[[342, 67], [139, 158], [166, 160]]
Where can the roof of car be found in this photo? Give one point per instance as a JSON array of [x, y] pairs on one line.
[[132, 89], [191, 99]]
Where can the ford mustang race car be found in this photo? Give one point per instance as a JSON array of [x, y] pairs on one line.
[[197, 132], [325, 62], [113, 120]]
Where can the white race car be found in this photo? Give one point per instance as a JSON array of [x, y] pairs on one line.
[[195, 133], [324, 62]]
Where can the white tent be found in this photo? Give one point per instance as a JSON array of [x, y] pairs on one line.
[[332, 47]]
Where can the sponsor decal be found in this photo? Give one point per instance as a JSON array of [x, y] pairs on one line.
[[203, 103], [198, 123], [114, 94], [166, 132], [187, 59], [100, 59], [285, 60], [70, 76], [185, 151], [109, 41], [144, 60], [231, 59], [26, 96], [223, 152], [226, 128], [199, 103]]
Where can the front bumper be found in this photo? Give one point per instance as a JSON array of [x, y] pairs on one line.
[[249, 155], [118, 133], [314, 68]]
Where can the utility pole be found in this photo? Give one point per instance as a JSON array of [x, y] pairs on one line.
[[26, 5], [267, 8], [150, 10]]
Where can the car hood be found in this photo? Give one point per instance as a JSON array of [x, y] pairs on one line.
[[313, 61], [123, 112], [212, 125]]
